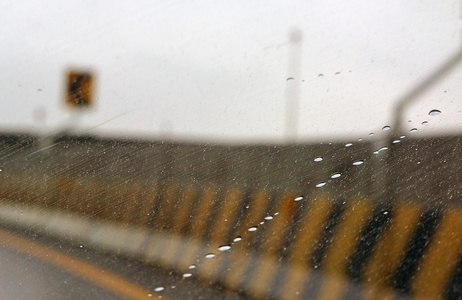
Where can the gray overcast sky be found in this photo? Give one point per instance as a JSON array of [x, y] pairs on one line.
[[217, 70]]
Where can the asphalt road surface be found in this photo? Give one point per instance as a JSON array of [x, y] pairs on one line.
[[35, 266]]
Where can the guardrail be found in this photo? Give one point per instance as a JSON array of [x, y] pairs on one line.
[[273, 246]]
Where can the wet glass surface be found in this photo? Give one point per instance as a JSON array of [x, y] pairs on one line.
[[241, 150]]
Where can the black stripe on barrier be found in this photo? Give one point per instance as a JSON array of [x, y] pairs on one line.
[[453, 289], [418, 243], [327, 234], [240, 216], [257, 242], [294, 227], [212, 215], [195, 202], [367, 241]]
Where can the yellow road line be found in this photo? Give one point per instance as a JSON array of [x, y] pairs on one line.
[[96, 275]]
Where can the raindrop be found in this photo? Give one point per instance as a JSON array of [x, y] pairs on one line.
[[298, 198], [371, 134], [402, 137], [290, 78], [318, 159], [321, 184], [149, 295], [413, 130], [262, 222], [237, 239], [359, 162], [425, 123], [224, 248], [434, 112], [360, 139], [253, 228], [396, 141], [336, 175], [186, 275], [209, 255], [385, 212], [276, 213], [385, 128], [381, 149], [159, 289], [348, 145], [268, 218], [192, 267]]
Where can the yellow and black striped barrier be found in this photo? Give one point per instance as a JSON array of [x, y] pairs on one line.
[[273, 246]]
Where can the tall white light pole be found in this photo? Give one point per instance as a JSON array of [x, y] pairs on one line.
[[293, 81]]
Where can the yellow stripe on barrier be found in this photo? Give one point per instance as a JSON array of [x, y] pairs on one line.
[[149, 198], [390, 247], [275, 234], [257, 209], [440, 258], [130, 203], [162, 216], [189, 255], [239, 256], [226, 216], [344, 240], [179, 219], [304, 241], [220, 228], [184, 210]]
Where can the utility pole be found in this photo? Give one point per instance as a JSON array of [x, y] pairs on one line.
[[293, 81]]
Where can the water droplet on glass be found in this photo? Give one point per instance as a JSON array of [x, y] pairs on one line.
[[224, 248], [192, 267], [360, 139], [149, 295], [434, 112], [298, 198], [396, 141], [336, 175], [262, 222], [385, 212], [276, 213], [413, 130], [359, 162], [290, 78], [209, 255], [381, 149], [371, 134], [385, 128], [318, 159], [348, 145], [268, 218], [159, 289], [402, 137], [321, 184], [253, 228], [186, 275], [237, 239], [425, 123]]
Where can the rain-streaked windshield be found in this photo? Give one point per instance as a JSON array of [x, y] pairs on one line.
[[207, 150]]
